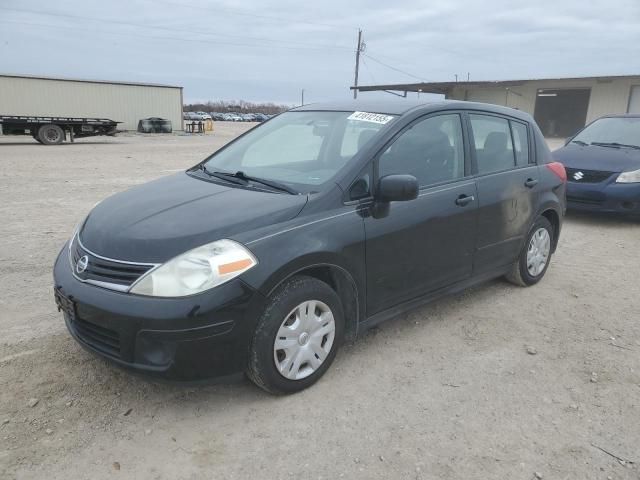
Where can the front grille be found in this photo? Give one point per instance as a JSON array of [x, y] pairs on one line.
[[103, 339], [103, 270], [578, 175]]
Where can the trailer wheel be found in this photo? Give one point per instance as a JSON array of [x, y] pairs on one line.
[[51, 134]]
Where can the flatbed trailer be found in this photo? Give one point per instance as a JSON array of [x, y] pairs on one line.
[[54, 130]]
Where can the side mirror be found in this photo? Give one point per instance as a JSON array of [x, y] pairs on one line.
[[397, 188]]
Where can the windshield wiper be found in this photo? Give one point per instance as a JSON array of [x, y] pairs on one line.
[[615, 145], [269, 183], [222, 176], [580, 142]]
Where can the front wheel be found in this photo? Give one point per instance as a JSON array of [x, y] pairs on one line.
[[50, 134], [297, 336], [535, 257]]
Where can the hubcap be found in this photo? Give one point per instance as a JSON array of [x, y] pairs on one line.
[[538, 252], [52, 134], [304, 340]]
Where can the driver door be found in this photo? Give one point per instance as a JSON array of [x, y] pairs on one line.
[[427, 243]]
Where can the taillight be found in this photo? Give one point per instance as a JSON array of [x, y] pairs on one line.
[[558, 169]]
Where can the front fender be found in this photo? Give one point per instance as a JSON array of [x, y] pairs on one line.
[[334, 239]]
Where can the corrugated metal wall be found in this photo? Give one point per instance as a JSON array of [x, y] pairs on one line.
[[123, 103], [607, 96]]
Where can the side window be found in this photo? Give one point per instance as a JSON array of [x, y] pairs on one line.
[[520, 142], [432, 150], [493, 145]]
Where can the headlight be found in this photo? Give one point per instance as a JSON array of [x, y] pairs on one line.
[[196, 270], [629, 177]]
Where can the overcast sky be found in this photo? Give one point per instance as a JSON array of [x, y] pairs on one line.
[[270, 50]]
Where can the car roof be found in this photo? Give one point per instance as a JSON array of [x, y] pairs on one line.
[[402, 106]]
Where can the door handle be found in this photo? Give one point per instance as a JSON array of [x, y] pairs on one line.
[[531, 182], [464, 200]]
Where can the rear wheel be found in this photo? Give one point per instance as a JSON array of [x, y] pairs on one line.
[[50, 134], [297, 337], [534, 259]]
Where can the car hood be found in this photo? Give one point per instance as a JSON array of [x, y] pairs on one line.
[[593, 157], [156, 221]]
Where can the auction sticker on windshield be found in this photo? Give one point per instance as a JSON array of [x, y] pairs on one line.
[[370, 117]]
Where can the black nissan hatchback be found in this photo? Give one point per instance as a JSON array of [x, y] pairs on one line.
[[307, 230]]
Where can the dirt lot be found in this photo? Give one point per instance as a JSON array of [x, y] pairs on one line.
[[446, 392]]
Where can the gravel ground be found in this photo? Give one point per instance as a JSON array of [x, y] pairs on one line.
[[498, 382]]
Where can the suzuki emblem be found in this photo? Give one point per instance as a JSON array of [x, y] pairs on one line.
[[578, 176]]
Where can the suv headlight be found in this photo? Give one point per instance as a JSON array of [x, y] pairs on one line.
[[629, 177], [197, 270]]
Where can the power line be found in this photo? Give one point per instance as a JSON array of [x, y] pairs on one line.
[[393, 68], [247, 14], [373, 78], [156, 37], [179, 30]]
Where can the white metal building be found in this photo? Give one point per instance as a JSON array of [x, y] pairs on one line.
[[125, 102], [561, 106]]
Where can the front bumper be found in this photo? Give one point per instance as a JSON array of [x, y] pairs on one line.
[[193, 338], [605, 197]]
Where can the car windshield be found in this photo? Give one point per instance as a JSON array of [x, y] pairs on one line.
[[300, 149], [614, 130]]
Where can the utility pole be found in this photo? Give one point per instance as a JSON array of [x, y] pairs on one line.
[[359, 49], [302, 98]]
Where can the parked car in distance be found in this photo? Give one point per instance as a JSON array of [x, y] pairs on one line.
[[248, 117], [603, 166], [307, 230], [218, 116], [260, 117], [196, 116], [204, 116]]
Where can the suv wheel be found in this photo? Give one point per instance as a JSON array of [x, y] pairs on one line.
[[535, 257], [297, 337]]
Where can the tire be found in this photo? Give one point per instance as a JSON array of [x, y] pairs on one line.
[[525, 273], [305, 335], [51, 134]]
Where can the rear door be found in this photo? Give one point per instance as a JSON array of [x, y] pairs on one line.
[[427, 243], [507, 181]]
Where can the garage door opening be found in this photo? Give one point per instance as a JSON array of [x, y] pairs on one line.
[[562, 112], [634, 100]]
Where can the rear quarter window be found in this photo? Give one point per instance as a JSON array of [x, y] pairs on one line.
[[520, 143]]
